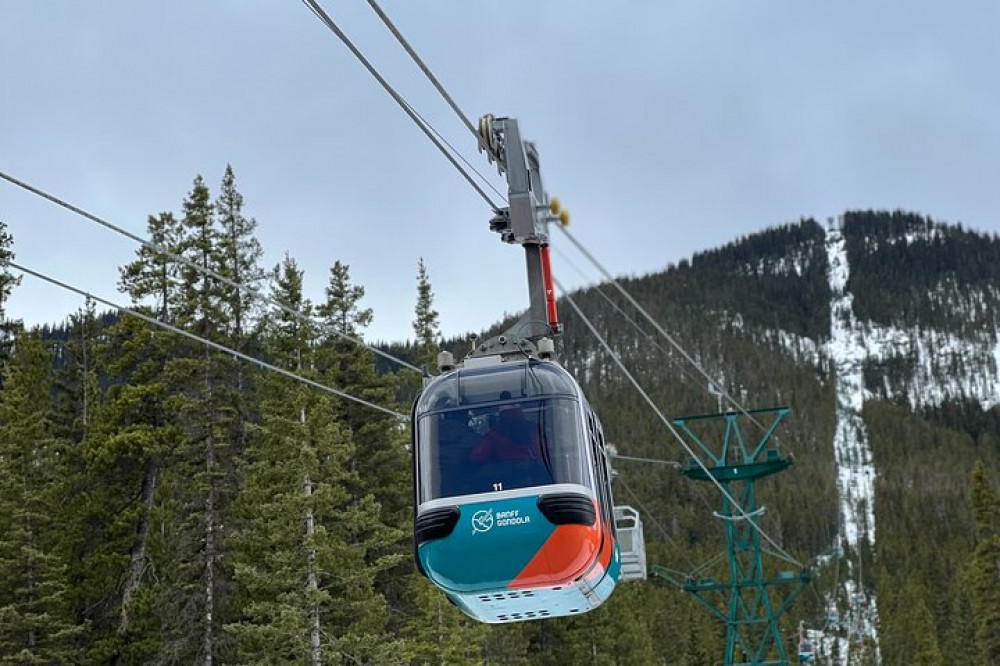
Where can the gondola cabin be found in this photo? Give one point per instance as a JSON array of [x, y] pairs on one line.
[[513, 511], [807, 653]]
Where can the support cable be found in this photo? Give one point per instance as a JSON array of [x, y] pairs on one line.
[[670, 426], [246, 287], [458, 154], [214, 345], [671, 463], [433, 79], [646, 334], [669, 338], [325, 19]]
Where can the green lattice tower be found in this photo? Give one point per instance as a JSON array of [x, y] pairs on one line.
[[748, 608]]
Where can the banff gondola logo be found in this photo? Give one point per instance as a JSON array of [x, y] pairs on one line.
[[483, 521]]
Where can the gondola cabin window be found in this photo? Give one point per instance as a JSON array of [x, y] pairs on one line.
[[489, 436]]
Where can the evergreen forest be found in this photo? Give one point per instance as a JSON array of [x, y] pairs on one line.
[[163, 501]]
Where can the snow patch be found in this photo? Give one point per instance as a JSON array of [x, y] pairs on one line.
[[847, 351]]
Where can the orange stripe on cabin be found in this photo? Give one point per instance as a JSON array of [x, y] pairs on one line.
[[566, 554]]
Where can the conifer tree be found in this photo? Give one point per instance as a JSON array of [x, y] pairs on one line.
[[425, 323], [240, 254], [199, 592], [984, 572], [239, 261], [381, 462], [378, 465], [36, 621], [8, 329], [441, 634], [277, 544], [960, 633], [129, 440], [76, 384], [700, 638], [154, 274]]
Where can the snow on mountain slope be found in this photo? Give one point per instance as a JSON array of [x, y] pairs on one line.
[[847, 353]]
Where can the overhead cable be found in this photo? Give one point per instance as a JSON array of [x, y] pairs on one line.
[[669, 338], [249, 288], [430, 76], [325, 19], [458, 154], [643, 332], [672, 463], [670, 426], [209, 343]]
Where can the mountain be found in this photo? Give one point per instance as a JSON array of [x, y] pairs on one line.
[[880, 330]]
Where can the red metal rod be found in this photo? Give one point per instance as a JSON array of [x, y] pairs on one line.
[[550, 292]]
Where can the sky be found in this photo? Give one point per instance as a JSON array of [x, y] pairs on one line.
[[665, 127]]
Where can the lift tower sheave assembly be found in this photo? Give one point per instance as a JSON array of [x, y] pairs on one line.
[[748, 608]]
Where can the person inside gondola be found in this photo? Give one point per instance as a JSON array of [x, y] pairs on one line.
[[511, 452], [456, 443]]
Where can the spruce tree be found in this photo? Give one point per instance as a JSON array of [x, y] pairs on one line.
[[154, 275], [381, 463], [984, 570], [131, 441], [239, 261], [240, 253], [76, 384], [425, 323], [8, 329], [202, 406], [378, 470], [36, 620], [440, 633], [277, 545]]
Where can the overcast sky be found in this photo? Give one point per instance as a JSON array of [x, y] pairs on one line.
[[665, 127]]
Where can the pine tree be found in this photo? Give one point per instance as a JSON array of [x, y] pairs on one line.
[[154, 274], [8, 329], [36, 622], [131, 441], [425, 323], [128, 441], [239, 261], [984, 571], [199, 592], [378, 470], [277, 545], [381, 462]]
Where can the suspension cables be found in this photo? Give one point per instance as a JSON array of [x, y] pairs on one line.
[[670, 426], [433, 79], [325, 19], [669, 338], [247, 288], [423, 67], [208, 343], [617, 308]]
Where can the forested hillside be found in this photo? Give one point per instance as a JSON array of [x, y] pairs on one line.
[[163, 502]]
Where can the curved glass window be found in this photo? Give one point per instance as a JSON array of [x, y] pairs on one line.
[[499, 446], [470, 387]]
